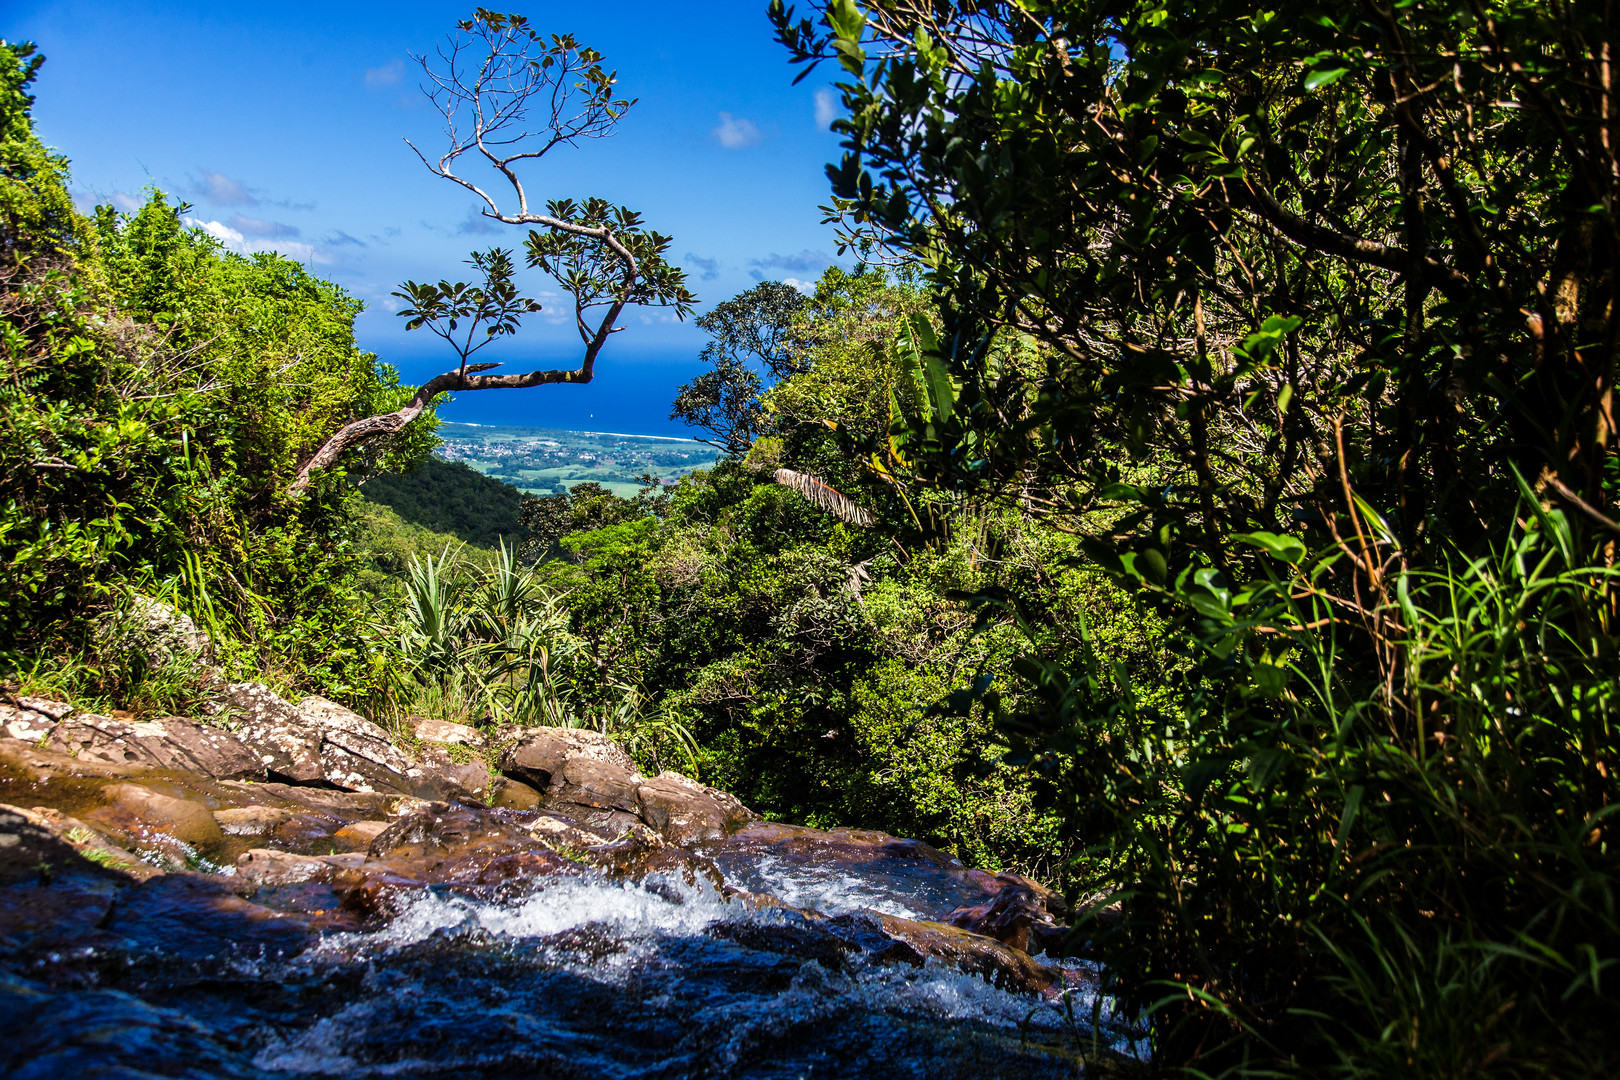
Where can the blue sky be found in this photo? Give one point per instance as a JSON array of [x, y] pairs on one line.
[[284, 125]]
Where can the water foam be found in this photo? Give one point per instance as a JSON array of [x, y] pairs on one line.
[[830, 890], [625, 910]]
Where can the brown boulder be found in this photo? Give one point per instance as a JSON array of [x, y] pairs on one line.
[[1016, 915], [355, 773], [146, 815], [473, 777], [283, 740], [360, 835], [252, 820], [992, 961], [173, 743], [264, 866], [541, 753], [686, 812], [597, 784], [562, 835], [353, 733]]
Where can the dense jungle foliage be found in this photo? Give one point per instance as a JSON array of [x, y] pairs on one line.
[[1302, 321], [155, 396], [1203, 497]]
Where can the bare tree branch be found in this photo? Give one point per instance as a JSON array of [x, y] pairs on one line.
[[511, 95]]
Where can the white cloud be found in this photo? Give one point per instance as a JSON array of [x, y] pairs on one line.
[[806, 287], [235, 241], [827, 107], [221, 232], [387, 75], [127, 203], [734, 132], [710, 267], [806, 261]]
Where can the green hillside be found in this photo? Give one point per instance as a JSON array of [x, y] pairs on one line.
[[449, 497]]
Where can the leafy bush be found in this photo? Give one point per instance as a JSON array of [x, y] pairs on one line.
[[157, 394]]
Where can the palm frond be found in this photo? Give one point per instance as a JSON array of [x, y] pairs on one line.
[[825, 496]]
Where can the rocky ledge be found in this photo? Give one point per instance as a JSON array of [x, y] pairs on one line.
[[260, 829]]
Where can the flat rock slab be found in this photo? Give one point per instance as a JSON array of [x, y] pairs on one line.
[[347, 805], [173, 743], [31, 719], [189, 916]]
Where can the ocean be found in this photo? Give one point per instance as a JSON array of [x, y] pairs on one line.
[[630, 393]]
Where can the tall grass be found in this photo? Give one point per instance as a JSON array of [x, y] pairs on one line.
[[1375, 845], [491, 644]]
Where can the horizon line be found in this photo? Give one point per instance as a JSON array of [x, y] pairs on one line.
[[578, 431]]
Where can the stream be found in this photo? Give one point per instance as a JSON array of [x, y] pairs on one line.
[[564, 975]]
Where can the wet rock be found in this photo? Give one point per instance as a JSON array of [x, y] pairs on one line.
[[441, 831], [189, 916], [85, 839], [445, 844], [360, 835], [345, 805], [542, 752], [286, 744], [442, 731], [797, 937], [564, 835], [105, 1034], [252, 820], [1021, 913], [473, 777], [54, 889], [295, 829], [686, 812], [998, 964], [146, 815], [266, 866], [513, 794], [173, 743], [31, 719], [647, 861]]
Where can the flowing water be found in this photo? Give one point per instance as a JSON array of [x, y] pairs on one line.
[[571, 975]]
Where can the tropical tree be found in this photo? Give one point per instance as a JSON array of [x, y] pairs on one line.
[[509, 96], [1304, 318], [752, 333]]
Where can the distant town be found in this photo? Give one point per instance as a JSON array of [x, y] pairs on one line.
[[547, 460]]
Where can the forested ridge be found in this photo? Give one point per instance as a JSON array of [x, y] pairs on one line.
[[1200, 497], [451, 497]]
